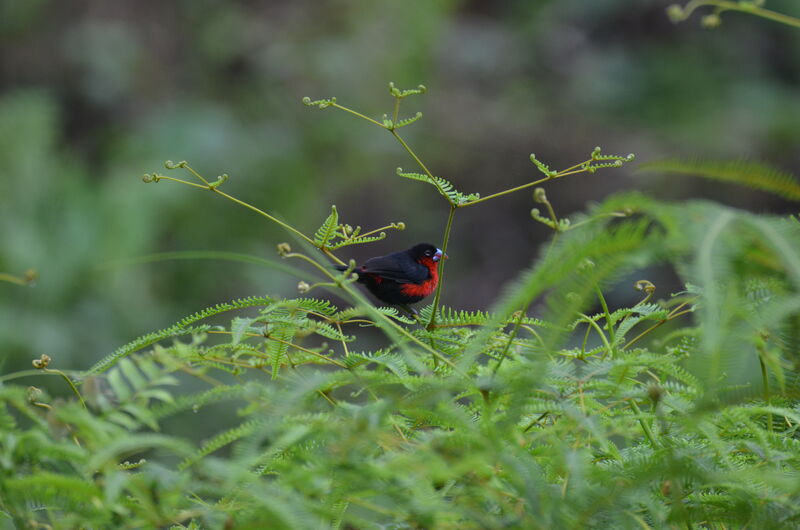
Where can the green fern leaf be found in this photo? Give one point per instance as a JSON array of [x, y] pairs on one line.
[[357, 241], [196, 401], [279, 338], [221, 440], [240, 326], [443, 186], [747, 173], [635, 315], [328, 229], [179, 329]]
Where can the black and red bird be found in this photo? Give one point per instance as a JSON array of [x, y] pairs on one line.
[[403, 277]]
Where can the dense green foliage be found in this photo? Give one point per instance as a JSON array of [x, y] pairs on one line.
[[548, 410]]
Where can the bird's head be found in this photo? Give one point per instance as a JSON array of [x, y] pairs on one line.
[[426, 251]]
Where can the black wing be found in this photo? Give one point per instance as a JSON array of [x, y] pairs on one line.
[[398, 267]]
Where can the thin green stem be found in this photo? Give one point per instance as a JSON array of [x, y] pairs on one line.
[[511, 338], [5, 277], [673, 314], [249, 206], [173, 179], [537, 420], [645, 427], [69, 382], [29, 373], [742, 7], [765, 382], [377, 230], [196, 174], [607, 313], [344, 342], [553, 216], [445, 241], [423, 166], [305, 258], [261, 212], [351, 111], [288, 343], [599, 331], [585, 340], [577, 168], [506, 192]]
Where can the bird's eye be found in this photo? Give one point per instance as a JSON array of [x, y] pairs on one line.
[[427, 252]]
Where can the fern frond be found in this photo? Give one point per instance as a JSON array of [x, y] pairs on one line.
[[328, 229], [326, 330], [323, 307], [176, 330], [353, 312], [447, 316], [358, 240], [196, 401], [240, 303], [131, 386], [281, 334], [54, 491], [745, 172], [408, 121], [634, 316], [393, 362], [221, 440], [443, 186], [142, 342]]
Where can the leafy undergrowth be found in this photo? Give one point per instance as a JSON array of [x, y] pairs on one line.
[[677, 412]]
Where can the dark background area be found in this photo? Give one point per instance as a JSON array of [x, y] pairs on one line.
[[94, 93]]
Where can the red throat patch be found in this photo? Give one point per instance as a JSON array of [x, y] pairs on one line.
[[428, 286]]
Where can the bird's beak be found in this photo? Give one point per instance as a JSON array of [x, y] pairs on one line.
[[439, 255]]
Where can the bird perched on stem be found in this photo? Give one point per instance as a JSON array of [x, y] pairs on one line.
[[403, 277]]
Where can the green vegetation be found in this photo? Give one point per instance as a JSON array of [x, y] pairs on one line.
[[678, 411], [556, 402]]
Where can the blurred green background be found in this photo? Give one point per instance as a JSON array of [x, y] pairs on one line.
[[94, 93]]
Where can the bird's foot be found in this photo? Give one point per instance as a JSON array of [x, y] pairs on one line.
[[411, 311]]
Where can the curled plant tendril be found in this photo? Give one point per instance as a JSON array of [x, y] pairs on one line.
[[319, 103], [541, 166], [678, 13], [169, 164], [151, 177], [645, 285], [220, 179], [28, 278], [392, 125], [283, 249], [34, 393], [42, 362], [400, 94]]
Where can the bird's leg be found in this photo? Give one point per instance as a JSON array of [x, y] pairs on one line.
[[410, 310]]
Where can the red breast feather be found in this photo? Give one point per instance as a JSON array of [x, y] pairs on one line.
[[425, 288]]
